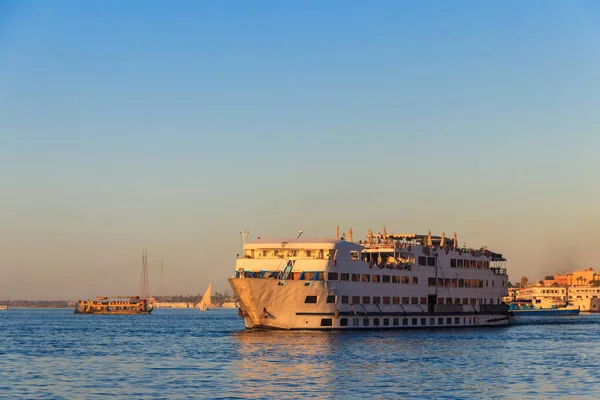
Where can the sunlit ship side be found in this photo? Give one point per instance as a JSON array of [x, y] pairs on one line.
[[388, 281]]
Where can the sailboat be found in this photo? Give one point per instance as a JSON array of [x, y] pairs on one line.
[[205, 303]]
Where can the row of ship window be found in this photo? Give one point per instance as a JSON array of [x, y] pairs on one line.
[[397, 321], [331, 299], [347, 277], [455, 263]]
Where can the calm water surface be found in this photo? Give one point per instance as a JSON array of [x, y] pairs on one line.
[[181, 354]]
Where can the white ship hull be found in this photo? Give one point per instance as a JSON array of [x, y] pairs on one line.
[[265, 304]]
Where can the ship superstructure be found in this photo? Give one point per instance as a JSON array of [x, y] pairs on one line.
[[387, 281]]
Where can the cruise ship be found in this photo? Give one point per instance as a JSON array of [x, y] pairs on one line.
[[388, 281]]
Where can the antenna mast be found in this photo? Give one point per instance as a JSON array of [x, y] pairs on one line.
[[144, 292], [162, 279]]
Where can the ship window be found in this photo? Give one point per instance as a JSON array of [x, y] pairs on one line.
[[486, 282], [479, 265], [332, 276], [465, 301], [385, 279], [405, 321], [375, 278], [376, 300], [415, 280], [386, 322], [375, 321], [431, 261], [431, 281], [440, 300], [405, 300], [365, 321], [414, 300], [355, 277], [473, 301], [320, 254], [395, 321], [457, 300], [447, 281], [355, 299], [453, 263], [486, 265], [461, 283], [366, 300], [355, 321], [344, 276], [343, 321], [354, 255], [330, 299], [310, 300], [473, 264], [405, 279], [431, 321], [395, 279], [449, 300], [480, 283], [396, 300], [454, 282], [440, 321], [493, 282], [326, 322], [308, 253], [319, 276], [423, 300], [460, 263], [449, 320], [491, 301], [344, 299], [422, 260], [414, 321], [366, 278], [423, 321], [386, 300], [440, 282]]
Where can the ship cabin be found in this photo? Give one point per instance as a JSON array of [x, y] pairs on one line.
[[294, 259]]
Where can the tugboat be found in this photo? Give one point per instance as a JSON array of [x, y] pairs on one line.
[[114, 305]]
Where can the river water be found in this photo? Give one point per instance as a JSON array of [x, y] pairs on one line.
[[188, 354]]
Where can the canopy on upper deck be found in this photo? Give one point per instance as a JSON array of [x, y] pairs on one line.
[[302, 243]]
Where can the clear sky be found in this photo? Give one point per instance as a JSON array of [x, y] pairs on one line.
[[172, 126]]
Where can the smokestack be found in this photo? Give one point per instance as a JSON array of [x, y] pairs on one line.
[[350, 235], [337, 232]]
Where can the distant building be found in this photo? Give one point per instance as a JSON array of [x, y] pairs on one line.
[[577, 277]]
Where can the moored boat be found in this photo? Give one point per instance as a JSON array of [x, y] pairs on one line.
[[3, 307], [526, 308], [114, 305]]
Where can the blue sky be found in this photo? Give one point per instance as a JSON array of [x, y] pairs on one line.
[[173, 126]]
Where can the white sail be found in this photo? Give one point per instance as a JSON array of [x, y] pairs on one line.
[[206, 303]]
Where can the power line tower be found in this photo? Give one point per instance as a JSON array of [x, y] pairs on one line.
[[144, 290], [162, 279]]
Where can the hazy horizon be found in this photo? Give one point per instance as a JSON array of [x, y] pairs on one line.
[[171, 127]]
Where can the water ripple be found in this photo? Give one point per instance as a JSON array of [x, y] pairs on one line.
[[186, 354]]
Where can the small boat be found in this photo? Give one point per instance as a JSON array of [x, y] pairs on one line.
[[114, 305], [3, 307], [205, 303], [526, 308]]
